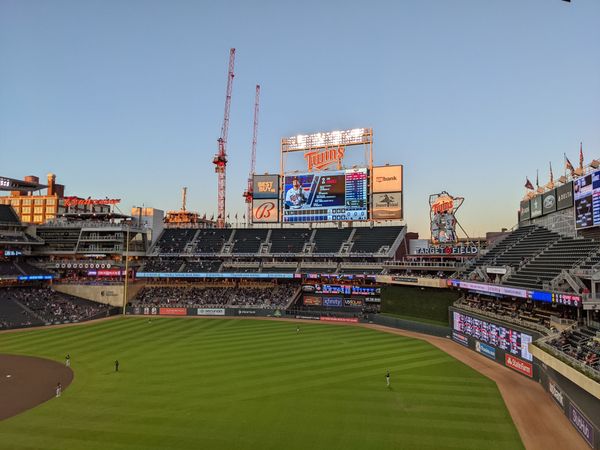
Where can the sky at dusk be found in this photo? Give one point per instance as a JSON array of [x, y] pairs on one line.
[[125, 98]]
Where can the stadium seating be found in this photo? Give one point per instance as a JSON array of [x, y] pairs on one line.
[[502, 246], [210, 240], [163, 265], [289, 240], [563, 253], [329, 240], [8, 215], [202, 265], [371, 240], [193, 297], [248, 240], [29, 306], [174, 240]]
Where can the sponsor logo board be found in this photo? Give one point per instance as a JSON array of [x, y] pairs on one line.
[[519, 365], [265, 186], [460, 338], [210, 311], [265, 211], [387, 179], [549, 202], [172, 311], [486, 350], [556, 393], [583, 425], [339, 319], [387, 206]]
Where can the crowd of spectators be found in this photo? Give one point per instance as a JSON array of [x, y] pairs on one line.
[[580, 343], [238, 297], [46, 306], [523, 312]]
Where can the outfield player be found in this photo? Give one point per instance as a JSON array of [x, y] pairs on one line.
[[387, 378], [68, 360], [58, 389]]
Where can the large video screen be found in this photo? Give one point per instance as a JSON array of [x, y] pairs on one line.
[[328, 196], [512, 341], [587, 200]]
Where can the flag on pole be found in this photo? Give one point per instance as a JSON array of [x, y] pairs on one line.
[[528, 184], [537, 178], [568, 165], [551, 174], [581, 155]]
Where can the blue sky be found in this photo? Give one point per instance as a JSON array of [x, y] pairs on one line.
[[125, 98]]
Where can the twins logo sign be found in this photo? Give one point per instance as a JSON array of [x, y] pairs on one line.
[[265, 211]]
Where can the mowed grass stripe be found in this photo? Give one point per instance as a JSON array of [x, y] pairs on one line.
[[223, 384]]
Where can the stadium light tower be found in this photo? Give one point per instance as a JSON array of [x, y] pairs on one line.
[[249, 193], [220, 159]]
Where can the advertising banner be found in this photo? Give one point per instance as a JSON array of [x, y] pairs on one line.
[[265, 211], [536, 206], [387, 179], [172, 311], [265, 186], [461, 339], [525, 210], [549, 202], [387, 206], [336, 302], [486, 350], [443, 207], [564, 196], [556, 393], [353, 302], [582, 424], [310, 300], [519, 365], [419, 281], [339, 319], [210, 311]]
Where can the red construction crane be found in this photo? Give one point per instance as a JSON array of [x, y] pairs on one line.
[[249, 192], [220, 159]]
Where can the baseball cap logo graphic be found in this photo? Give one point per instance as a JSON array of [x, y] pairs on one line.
[[264, 210]]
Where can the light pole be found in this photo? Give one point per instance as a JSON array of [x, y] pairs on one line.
[[126, 269]]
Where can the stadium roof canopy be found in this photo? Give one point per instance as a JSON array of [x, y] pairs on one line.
[[10, 184]]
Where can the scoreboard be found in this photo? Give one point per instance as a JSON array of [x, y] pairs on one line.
[[326, 196], [587, 200], [511, 341]]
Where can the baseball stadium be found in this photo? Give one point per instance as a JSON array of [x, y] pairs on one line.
[[316, 317], [322, 321]]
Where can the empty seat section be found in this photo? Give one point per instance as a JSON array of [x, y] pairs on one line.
[[329, 240]]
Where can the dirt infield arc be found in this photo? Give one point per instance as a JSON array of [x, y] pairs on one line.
[[26, 382]]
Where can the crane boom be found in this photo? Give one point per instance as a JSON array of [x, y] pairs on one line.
[[248, 195], [220, 159]]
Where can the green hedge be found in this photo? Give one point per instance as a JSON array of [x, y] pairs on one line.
[[420, 303]]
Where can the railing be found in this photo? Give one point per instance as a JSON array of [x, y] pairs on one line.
[[448, 264], [567, 359]]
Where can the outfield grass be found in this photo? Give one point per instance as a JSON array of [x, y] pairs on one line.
[[249, 384]]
